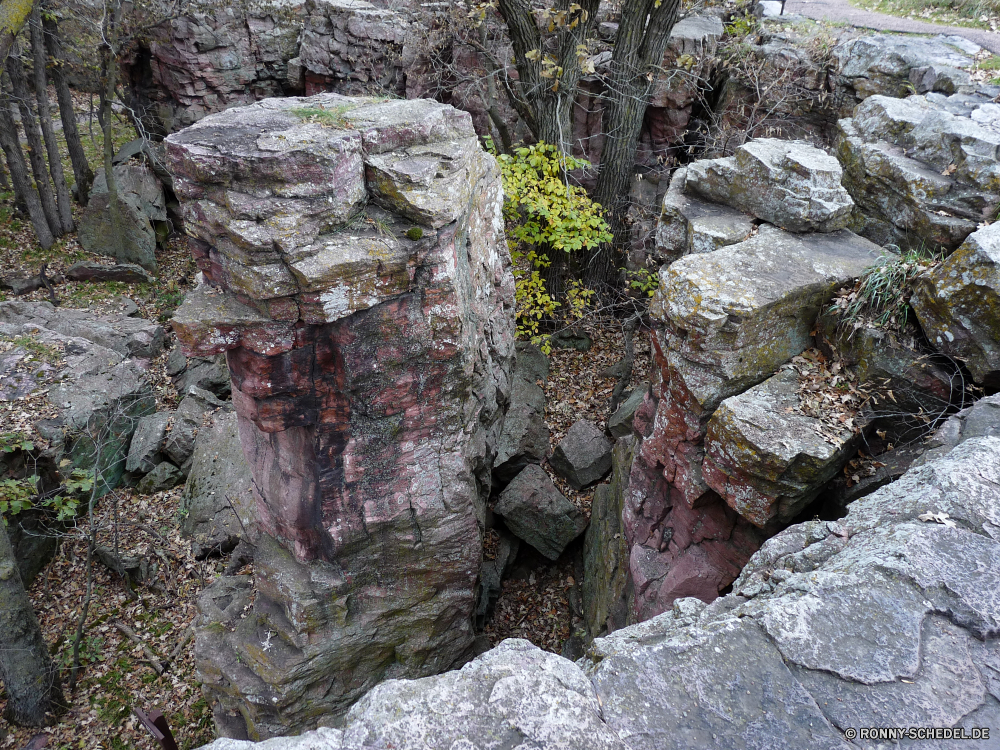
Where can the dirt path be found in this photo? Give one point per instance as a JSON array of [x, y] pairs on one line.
[[842, 11]]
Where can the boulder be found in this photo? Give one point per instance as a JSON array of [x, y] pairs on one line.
[[216, 507], [370, 367], [163, 476], [791, 184], [620, 423], [689, 225], [922, 170], [525, 436], [958, 305], [982, 419], [119, 229], [138, 182], [536, 512], [583, 457], [888, 617], [605, 550], [896, 66], [145, 450], [766, 458], [185, 424]]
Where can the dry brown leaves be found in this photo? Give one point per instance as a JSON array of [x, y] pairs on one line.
[[830, 393]]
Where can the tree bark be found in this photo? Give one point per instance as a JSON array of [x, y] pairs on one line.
[[19, 174], [45, 118], [13, 15], [82, 172], [640, 44], [548, 97], [15, 70], [29, 676]]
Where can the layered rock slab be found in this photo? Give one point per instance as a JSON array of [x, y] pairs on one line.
[[726, 321], [883, 618], [370, 369]]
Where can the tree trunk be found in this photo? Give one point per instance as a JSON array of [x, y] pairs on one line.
[[13, 15], [19, 174], [547, 90], [640, 44], [81, 169], [29, 676], [45, 118], [15, 70]]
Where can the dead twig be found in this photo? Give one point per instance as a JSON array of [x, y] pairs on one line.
[[153, 659]]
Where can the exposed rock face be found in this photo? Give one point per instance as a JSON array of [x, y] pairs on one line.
[[689, 225], [790, 184], [620, 423], [524, 439], [924, 169], [767, 460], [881, 619], [897, 66], [369, 375], [729, 319], [583, 457], [958, 305], [102, 392]]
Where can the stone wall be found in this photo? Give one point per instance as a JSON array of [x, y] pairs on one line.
[[357, 276]]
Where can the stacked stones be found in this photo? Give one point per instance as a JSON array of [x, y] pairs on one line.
[[358, 279]]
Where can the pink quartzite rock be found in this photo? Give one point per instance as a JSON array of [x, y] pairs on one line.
[[728, 320], [358, 279]]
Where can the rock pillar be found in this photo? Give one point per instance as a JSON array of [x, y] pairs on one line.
[[356, 275]]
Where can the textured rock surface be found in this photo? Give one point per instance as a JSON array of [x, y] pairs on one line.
[[536, 512], [369, 376], [689, 225], [766, 460], [605, 551], [728, 320], [583, 457], [185, 424], [923, 170], [897, 66], [982, 419], [145, 450], [880, 619], [162, 477], [102, 391], [525, 436], [790, 184], [217, 505], [958, 305], [620, 423], [120, 230]]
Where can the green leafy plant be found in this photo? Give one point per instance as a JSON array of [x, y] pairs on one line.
[[643, 281], [881, 297], [16, 495], [15, 441]]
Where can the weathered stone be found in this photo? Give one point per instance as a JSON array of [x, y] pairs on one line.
[[958, 305], [525, 436], [583, 457], [369, 375], [765, 458], [129, 337], [884, 618], [605, 550], [790, 184], [491, 576], [923, 170], [531, 364], [689, 225], [185, 424], [127, 273], [982, 419], [728, 320], [163, 476], [217, 504], [571, 338], [536, 512], [138, 182], [620, 423], [118, 229], [99, 395], [34, 537], [208, 373], [897, 65], [145, 450]]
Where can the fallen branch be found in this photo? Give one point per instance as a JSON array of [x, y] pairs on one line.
[[48, 285], [188, 635], [152, 658]]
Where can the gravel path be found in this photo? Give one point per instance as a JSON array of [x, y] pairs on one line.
[[842, 11]]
